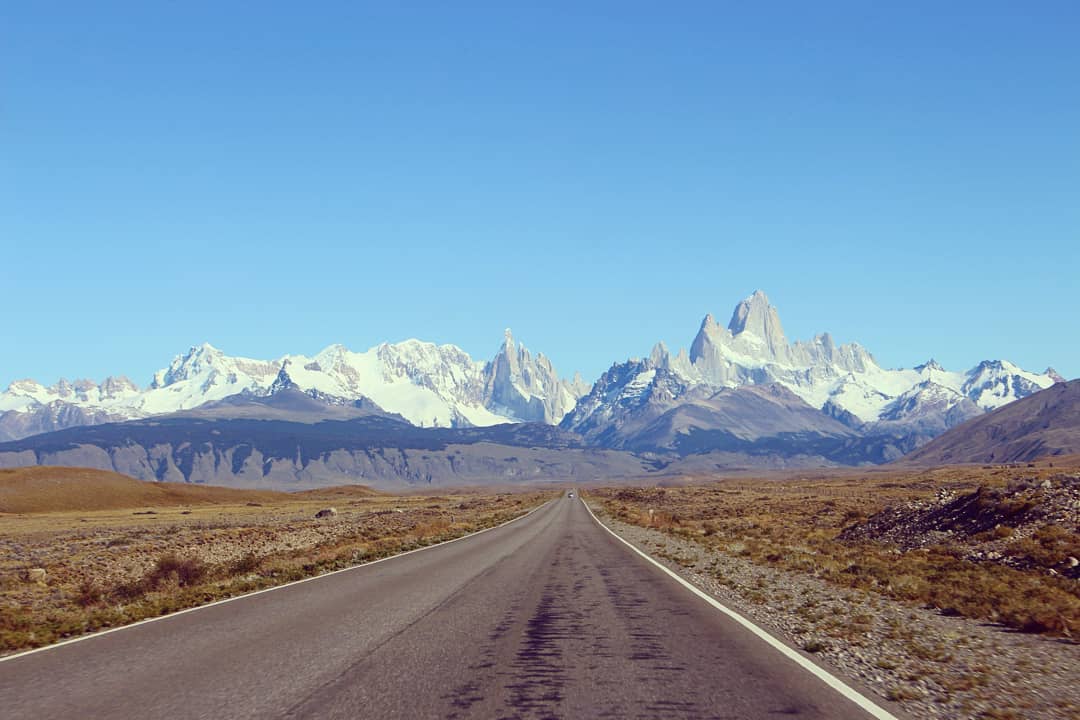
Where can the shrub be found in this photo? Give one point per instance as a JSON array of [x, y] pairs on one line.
[[89, 593], [245, 564], [172, 568], [1051, 545]]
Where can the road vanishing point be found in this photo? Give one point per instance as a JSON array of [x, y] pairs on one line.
[[549, 616]]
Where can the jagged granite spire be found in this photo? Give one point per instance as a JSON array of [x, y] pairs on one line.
[[757, 316], [526, 388], [754, 332]]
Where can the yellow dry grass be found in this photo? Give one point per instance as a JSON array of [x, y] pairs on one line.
[[61, 489]]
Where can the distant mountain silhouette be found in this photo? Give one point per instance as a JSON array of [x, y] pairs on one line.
[[292, 441]]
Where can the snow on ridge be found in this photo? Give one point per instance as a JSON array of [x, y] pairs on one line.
[[428, 384], [753, 350]]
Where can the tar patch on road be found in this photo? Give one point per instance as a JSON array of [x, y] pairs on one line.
[[578, 638]]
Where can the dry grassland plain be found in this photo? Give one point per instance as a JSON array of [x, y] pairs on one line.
[[84, 550], [1013, 569]]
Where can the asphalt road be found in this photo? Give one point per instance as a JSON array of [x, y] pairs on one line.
[[547, 617]]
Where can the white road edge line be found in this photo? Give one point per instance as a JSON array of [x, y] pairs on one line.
[[805, 663], [100, 633]]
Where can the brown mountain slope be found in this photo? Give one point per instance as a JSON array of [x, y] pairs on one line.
[[60, 489], [1046, 423]]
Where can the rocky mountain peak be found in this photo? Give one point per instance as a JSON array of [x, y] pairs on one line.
[[283, 381], [659, 357], [990, 366], [114, 386], [194, 361], [754, 332], [205, 352], [755, 315], [929, 365]]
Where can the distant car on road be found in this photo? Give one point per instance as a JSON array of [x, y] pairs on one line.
[[569, 495]]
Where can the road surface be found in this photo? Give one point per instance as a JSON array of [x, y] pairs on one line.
[[547, 617]]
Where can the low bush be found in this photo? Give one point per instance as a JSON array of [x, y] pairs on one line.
[[171, 568], [89, 593], [245, 564]]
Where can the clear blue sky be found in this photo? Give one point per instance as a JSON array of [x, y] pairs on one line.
[[276, 177]]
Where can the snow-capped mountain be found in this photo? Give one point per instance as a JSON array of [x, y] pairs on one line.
[[442, 386], [429, 385], [638, 406], [625, 400], [842, 380]]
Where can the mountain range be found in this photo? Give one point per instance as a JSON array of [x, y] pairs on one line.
[[1046, 424], [292, 440], [742, 395], [898, 410], [428, 385]]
